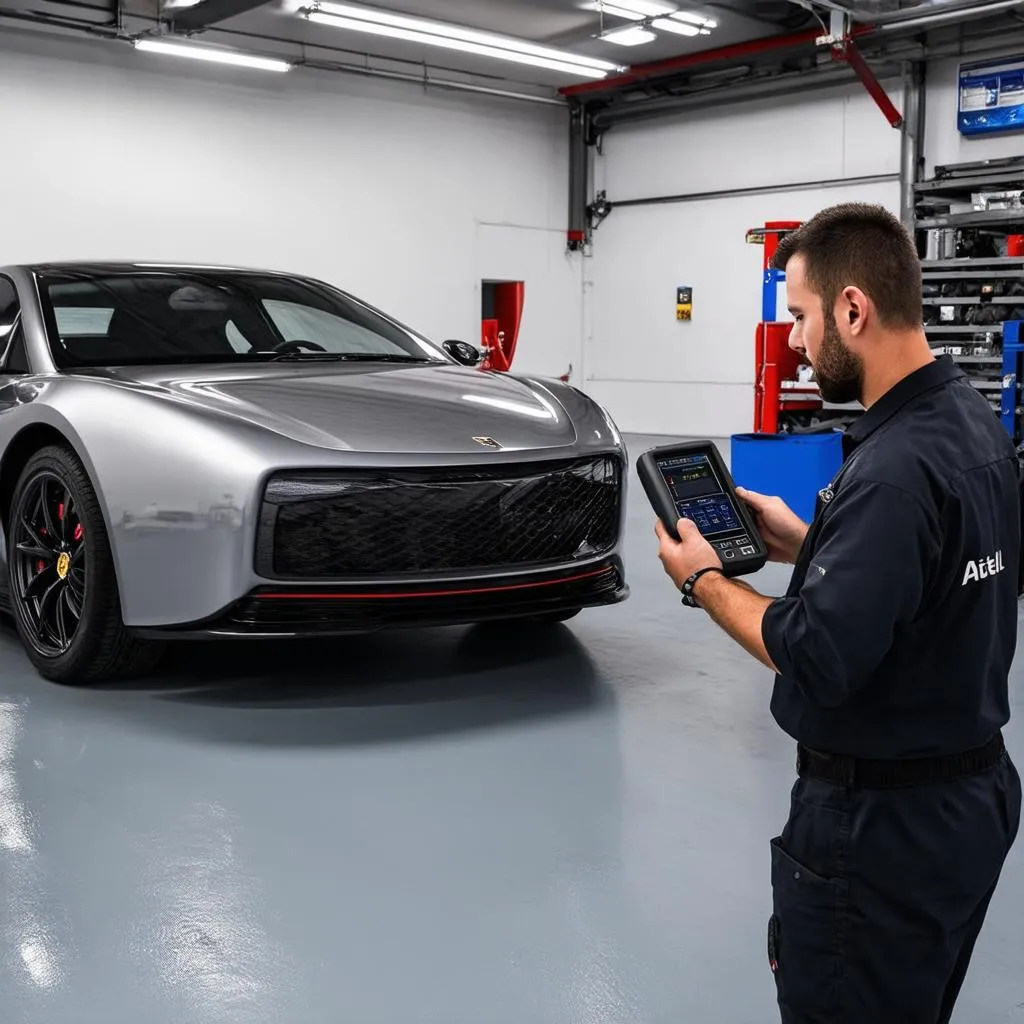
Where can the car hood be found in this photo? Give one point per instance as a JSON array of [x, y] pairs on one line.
[[393, 408]]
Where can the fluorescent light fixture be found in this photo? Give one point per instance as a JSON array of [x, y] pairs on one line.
[[455, 44], [646, 8], [245, 60], [678, 27], [629, 36], [695, 19], [454, 37], [615, 11]]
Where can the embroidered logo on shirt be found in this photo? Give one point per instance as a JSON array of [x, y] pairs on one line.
[[983, 568]]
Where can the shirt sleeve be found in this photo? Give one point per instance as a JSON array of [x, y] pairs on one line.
[[868, 572]]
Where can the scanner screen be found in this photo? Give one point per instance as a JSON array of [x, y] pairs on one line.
[[699, 494]]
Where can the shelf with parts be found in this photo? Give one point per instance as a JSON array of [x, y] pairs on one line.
[[973, 301]]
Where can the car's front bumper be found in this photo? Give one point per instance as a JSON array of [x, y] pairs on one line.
[[276, 611]]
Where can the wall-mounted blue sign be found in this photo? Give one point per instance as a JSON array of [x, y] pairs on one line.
[[991, 97]]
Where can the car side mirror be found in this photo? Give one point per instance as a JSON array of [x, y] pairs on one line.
[[463, 352]]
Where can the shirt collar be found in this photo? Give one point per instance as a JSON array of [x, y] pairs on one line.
[[930, 376]]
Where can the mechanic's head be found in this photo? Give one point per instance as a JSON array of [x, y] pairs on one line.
[[853, 285]]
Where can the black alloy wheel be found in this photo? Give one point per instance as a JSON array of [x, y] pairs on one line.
[[63, 588], [49, 563]]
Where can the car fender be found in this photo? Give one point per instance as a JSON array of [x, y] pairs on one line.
[[176, 487], [594, 424], [16, 427]]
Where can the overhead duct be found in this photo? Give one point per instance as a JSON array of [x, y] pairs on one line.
[[909, 13]]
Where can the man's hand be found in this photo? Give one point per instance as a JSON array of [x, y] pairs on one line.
[[682, 558], [783, 530]]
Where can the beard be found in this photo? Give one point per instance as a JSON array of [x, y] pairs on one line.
[[839, 372]]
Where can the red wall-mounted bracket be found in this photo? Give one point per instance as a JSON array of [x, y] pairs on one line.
[[846, 50]]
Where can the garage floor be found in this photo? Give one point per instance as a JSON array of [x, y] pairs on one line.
[[441, 827]]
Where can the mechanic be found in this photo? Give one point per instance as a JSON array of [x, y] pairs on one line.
[[891, 647]]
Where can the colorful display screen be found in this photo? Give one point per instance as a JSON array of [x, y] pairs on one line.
[[699, 494]]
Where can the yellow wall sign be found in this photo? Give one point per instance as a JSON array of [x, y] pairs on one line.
[[684, 303]]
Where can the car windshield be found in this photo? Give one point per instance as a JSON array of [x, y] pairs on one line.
[[132, 317]]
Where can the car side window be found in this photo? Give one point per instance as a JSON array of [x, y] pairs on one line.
[[10, 325]]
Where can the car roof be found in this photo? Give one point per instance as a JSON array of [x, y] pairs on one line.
[[128, 266]]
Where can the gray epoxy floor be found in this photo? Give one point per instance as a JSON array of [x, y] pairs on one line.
[[431, 827]]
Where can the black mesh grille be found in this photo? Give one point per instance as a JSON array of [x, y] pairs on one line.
[[416, 522]]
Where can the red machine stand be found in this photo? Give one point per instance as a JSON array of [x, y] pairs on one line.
[[778, 389]]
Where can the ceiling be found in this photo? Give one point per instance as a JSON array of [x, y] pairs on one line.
[[281, 29], [562, 24], [278, 27]]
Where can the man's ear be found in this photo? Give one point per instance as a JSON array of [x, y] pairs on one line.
[[855, 309]]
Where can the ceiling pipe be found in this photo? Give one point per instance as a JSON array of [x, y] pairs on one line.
[[961, 13], [831, 76], [753, 47], [923, 13]]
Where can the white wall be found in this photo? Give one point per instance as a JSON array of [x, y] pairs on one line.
[[659, 375], [371, 185], [410, 200], [943, 144]]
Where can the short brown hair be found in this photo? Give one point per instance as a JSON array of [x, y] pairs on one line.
[[863, 245]]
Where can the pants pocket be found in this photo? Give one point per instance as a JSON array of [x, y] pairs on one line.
[[805, 938]]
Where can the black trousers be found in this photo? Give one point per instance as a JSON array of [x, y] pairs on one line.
[[879, 895]]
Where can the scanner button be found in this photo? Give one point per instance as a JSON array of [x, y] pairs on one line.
[[748, 551]]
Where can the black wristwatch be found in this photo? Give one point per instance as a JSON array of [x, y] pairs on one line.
[[688, 584]]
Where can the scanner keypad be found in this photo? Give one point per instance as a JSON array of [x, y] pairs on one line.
[[734, 547]]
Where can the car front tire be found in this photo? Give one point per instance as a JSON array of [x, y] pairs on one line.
[[63, 588]]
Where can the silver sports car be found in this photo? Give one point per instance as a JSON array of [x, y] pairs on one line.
[[189, 451]]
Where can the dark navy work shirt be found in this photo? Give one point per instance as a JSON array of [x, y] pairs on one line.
[[897, 631]]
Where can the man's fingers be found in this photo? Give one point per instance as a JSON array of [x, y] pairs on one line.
[[685, 526], [758, 501]]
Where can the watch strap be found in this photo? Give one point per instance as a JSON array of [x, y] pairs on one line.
[[690, 582]]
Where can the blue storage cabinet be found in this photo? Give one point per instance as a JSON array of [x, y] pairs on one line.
[[793, 466]]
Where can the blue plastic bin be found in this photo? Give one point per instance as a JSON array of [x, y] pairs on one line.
[[793, 466]]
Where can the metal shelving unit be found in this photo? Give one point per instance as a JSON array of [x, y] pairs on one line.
[[1010, 219], [973, 276]]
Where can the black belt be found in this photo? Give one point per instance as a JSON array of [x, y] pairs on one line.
[[845, 770]]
